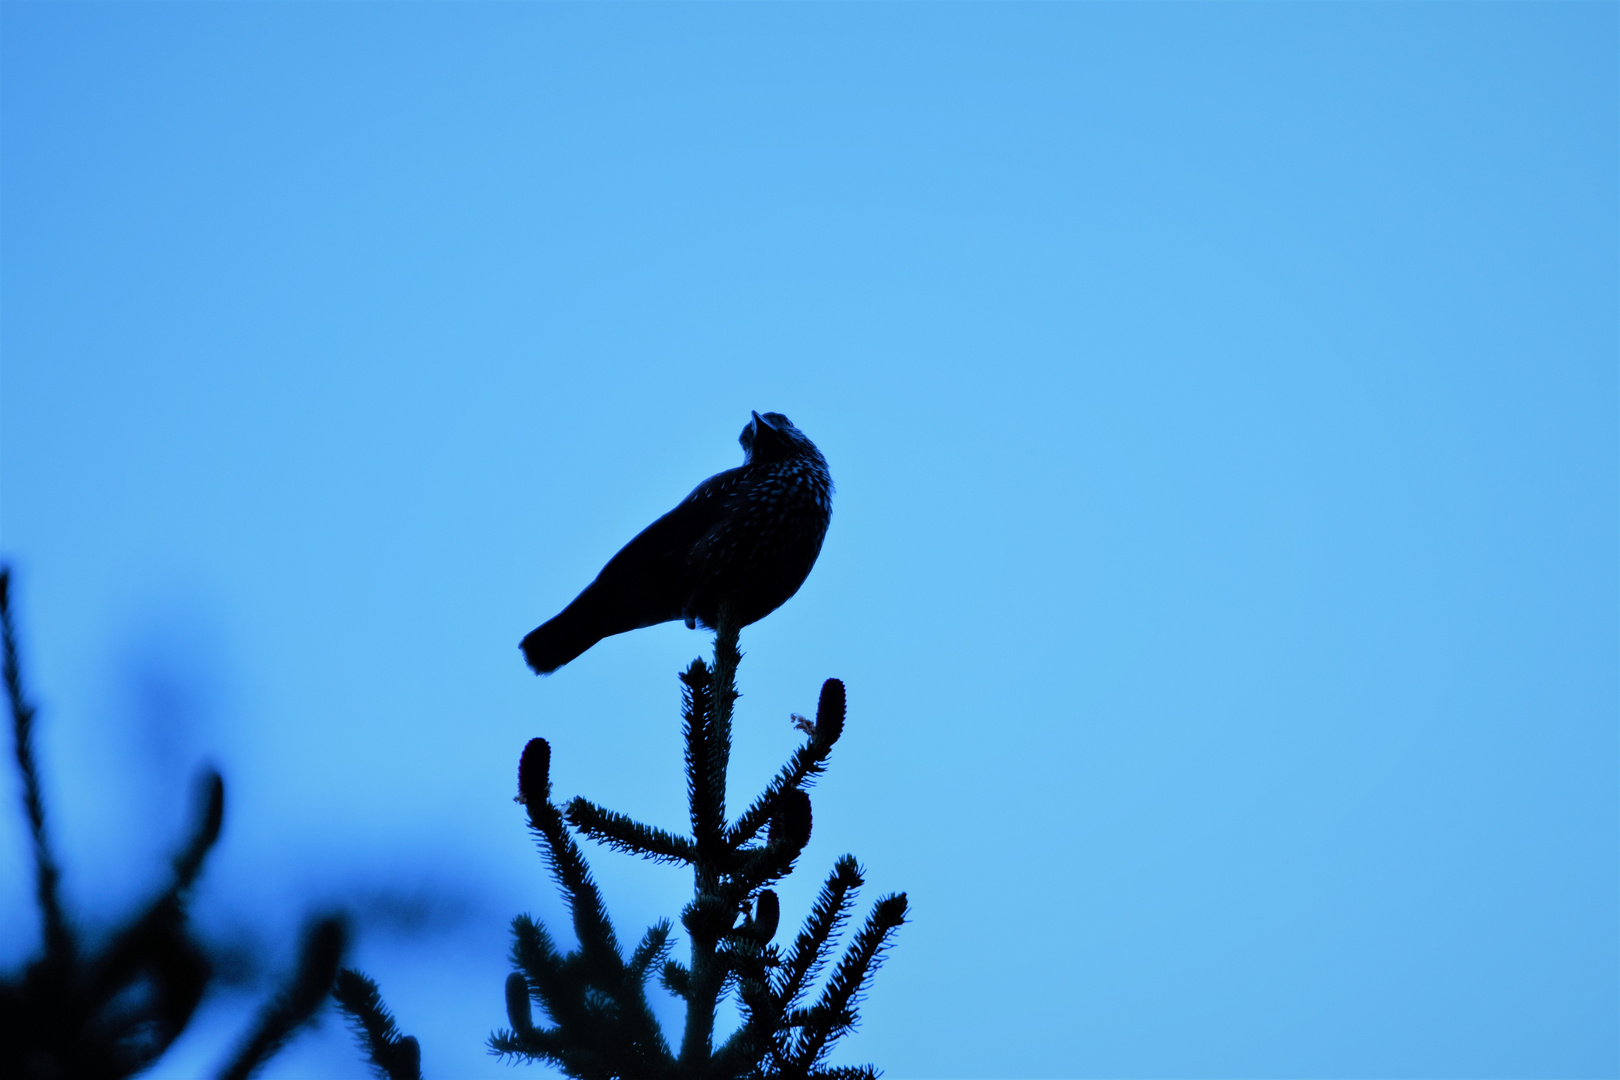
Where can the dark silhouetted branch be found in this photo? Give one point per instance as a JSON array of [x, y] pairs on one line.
[[112, 1012], [47, 877], [628, 835], [597, 1023], [292, 1008], [393, 1056]]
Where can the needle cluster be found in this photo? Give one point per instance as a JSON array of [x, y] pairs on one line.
[[597, 1020]]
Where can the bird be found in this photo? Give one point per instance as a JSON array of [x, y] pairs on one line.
[[746, 537]]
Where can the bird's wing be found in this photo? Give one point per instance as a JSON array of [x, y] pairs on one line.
[[647, 582], [673, 535]]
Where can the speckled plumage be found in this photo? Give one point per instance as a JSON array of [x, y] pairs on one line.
[[748, 535]]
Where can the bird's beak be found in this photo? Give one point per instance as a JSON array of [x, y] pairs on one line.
[[760, 421]]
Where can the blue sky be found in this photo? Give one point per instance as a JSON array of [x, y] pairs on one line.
[[1222, 401]]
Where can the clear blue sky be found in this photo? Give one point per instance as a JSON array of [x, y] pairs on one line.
[[1222, 401]]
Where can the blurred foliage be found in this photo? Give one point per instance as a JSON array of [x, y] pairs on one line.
[[97, 1011]]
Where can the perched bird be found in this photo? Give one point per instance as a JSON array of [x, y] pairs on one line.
[[747, 536]]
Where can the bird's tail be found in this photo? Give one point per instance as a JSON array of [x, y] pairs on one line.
[[552, 644], [576, 628]]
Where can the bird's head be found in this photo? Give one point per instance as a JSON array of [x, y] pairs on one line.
[[772, 437]]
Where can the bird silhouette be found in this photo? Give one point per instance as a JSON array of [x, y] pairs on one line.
[[746, 537]]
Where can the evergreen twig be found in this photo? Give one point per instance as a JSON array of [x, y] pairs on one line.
[[754, 867], [827, 917], [808, 762], [393, 1056], [698, 718], [710, 914], [604, 1025], [591, 923], [59, 944], [836, 1012], [624, 833], [296, 1004], [654, 947], [156, 939]]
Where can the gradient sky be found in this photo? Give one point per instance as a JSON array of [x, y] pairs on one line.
[[1223, 406]]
